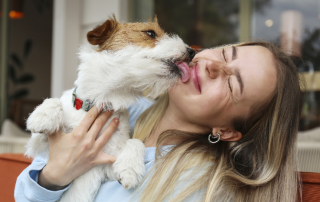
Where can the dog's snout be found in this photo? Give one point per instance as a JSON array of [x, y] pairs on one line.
[[191, 52]]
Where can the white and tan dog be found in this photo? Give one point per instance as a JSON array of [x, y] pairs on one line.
[[125, 60]]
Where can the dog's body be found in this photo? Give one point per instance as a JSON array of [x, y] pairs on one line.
[[111, 75]]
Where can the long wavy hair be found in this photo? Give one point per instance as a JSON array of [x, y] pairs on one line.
[[262, 166]]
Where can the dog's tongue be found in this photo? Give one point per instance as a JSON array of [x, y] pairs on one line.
[[185, 71]]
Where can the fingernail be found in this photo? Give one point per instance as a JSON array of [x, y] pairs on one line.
[[116, 120]]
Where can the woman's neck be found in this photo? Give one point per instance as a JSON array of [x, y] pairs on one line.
[[172, 120]]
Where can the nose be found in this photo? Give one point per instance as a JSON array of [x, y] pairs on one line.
[[191, 52], [216, 68]]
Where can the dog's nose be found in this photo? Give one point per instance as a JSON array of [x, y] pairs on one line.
[[191, 52]]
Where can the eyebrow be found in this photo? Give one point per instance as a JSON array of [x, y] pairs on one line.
[[234, 52], [237, 72]]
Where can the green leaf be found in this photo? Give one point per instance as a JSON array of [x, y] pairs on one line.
[[15, 58], [12, 73], [27, 48], [23, 92], [25, 79]]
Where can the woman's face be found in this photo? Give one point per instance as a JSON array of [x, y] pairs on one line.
[[224, 83]]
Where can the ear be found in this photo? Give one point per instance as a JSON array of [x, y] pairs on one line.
[[101, 33], [227, 134]]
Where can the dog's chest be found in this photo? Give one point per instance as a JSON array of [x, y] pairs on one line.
[[73, 118]]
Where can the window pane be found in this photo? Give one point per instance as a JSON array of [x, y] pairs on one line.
[[205, 23], [295, 26]]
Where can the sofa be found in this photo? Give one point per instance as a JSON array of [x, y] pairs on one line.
[[11, 166]]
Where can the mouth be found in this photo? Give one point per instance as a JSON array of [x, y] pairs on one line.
[[196, 77], [184, 70]]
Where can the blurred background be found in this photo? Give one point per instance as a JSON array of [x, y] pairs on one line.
[[39, 40]]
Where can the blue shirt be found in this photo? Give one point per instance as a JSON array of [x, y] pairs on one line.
[[28, 190]]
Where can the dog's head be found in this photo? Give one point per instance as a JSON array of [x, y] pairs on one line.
[[112, 35], [133, 57]]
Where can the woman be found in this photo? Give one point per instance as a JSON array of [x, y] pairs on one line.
[[230, 124]]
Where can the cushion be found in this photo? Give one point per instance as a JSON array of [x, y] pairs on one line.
[[11, 165]]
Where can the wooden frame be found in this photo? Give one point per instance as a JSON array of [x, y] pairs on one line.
[[310, 186]]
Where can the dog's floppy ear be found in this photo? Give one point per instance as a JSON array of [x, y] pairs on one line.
[[101, 33]]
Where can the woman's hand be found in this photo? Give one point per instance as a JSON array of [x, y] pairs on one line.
[[70, 155]]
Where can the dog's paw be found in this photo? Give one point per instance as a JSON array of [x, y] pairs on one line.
[[129, 166], [46, 118], [129, 179]]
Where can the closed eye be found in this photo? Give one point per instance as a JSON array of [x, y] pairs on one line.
[[230, 87], [224, 55]]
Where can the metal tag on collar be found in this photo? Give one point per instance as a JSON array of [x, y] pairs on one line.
[[74, 96], [87, 105]]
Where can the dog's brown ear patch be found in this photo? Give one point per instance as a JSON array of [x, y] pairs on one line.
[[101, 33]]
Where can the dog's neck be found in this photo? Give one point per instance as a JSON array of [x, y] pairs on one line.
[[114, 99], [87, 104]]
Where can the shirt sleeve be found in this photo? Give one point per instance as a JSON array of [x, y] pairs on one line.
[[27, 188]]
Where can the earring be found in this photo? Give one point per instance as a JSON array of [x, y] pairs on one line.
[[213, 139]]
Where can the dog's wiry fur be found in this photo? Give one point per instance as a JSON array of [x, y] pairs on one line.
[[124, 61], [105, 37]]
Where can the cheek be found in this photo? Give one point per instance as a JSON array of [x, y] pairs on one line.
[[210, 107], [216, 95], [176, 91], [178, 95], [214, 103], [182, 90], [207, 107], [179, 87]]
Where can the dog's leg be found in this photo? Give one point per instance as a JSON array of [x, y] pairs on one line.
[[46, 118], [85, 187], [129, 165], [37, 145]]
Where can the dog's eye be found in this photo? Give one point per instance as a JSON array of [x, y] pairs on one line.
[[151, 33]]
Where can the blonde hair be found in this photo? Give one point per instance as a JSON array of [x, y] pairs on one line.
[[260, 167]]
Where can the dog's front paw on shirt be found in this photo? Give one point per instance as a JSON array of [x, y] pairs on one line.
[[129, 165], [47, 118]]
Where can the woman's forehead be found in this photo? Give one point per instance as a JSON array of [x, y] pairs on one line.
[[258, 70]]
